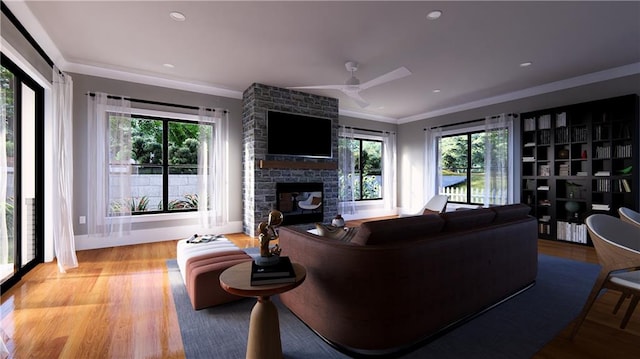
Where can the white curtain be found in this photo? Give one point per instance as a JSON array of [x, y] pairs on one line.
[[389, 163], [346, 174], [4, 235], [432, 163], [109, 165], [498, 164], [62, 171], [213, 184]]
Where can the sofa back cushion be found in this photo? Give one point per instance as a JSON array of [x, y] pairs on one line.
[[510, 212], [338, 233], [463, 220], [398, 229]]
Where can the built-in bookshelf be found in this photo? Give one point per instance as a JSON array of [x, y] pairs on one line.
[[578, 160]]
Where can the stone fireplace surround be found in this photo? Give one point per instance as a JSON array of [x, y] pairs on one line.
[[261, 172]]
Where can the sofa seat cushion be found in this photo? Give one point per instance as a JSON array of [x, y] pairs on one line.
[[464, 220], [398, 229]]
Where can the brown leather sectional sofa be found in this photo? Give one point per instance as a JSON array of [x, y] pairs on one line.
[[400, 282]]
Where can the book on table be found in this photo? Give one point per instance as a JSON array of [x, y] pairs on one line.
[[281, 272], [275, 280]]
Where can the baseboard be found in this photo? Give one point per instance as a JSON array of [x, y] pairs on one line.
[[139, 236]]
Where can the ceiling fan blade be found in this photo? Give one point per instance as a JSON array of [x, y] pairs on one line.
[[389, 76], [357, 98], [320, 87]]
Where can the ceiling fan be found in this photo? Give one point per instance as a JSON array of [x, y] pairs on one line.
[[352, 86]]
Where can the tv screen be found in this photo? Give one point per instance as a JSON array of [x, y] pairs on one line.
[[291, 134]]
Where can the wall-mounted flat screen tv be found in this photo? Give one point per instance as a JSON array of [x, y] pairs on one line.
[[291, 134]]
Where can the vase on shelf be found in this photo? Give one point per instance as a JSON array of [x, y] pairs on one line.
[[572, 207]]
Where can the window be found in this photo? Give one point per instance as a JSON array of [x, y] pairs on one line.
[[366, 177], [162, 160], [21, 166], [462, 160]]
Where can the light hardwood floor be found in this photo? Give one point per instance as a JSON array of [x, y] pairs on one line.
[[118, 304]]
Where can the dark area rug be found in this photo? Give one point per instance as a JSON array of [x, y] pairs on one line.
[[517, 328]]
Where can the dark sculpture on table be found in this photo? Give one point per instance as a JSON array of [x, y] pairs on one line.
[[269, 256]]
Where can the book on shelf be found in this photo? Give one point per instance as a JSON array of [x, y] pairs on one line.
[[543, 188], [602, 173], [544, 121], [603, 185], [572, 232], [563, 170], [600, 207], [625, 185], [544, 228], [528, 159], [581, 173], [561, 119]]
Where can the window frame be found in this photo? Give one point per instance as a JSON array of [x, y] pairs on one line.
[[380, 140], [469, 167], [469, 131], [166, 118]]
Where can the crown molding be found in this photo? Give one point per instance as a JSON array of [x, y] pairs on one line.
[[599, 76], [367, 116], [153, 80]]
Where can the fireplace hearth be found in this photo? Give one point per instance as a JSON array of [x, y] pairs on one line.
[[300, 202]]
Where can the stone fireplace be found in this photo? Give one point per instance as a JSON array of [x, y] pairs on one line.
[[267, 177]]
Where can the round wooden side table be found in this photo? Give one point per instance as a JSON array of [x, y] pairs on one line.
[[264, 327]]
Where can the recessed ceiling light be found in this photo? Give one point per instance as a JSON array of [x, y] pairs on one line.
[[177, 16], [434, 14], [436, 90], [525, 64], [169, 66]]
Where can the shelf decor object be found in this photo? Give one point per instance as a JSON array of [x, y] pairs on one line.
[[572, 207]]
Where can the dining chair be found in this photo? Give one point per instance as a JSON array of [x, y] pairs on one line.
[[437, 204], [313, 202], [617, 245], [629, 215]]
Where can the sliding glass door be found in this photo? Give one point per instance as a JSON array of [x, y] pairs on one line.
[[21, 241]]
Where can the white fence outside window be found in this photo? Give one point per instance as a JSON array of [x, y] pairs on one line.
[[459, 194]]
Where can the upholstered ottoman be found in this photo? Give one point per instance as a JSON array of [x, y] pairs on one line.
[[201, 264]]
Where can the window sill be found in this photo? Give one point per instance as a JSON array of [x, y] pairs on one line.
[[159, 217]]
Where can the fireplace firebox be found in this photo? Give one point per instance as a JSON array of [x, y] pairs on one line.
[[300, 202]]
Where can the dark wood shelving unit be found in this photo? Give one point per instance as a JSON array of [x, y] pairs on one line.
[[578, 160]]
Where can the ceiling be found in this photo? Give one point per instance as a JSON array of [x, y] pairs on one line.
[[471, 54]]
